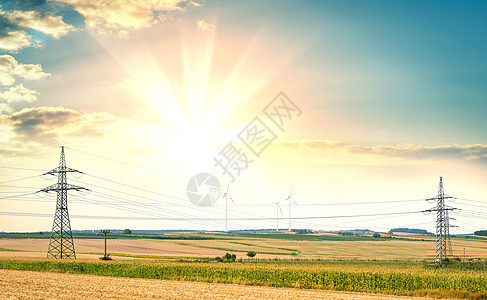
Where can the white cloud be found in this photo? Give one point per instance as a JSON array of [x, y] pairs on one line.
[[15, 40], [204, 26], [120, 17], [5, 109], [10, 69], [50, 25], [409, 152], [18, 93], [13, 36], [46, 125]]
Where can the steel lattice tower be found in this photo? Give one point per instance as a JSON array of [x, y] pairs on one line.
[[61, 242], [449, 249], [443, 242]]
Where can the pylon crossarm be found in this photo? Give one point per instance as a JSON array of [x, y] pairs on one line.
[[57, 187], [62, 170]]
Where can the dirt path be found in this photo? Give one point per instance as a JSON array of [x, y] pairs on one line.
[[37, 285]]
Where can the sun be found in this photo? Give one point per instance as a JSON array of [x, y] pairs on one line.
[[197, 90]]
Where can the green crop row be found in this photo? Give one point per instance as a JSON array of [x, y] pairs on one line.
[[392, 283]]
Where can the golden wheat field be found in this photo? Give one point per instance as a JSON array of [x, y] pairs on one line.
[[36, 285], [394, 249]]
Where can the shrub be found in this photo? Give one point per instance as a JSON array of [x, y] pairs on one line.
[[251, 254]]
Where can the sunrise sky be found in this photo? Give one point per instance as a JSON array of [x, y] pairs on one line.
[[146, 93]]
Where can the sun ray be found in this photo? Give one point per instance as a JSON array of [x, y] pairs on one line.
[[254, 75], [197, 53], [150, 77]]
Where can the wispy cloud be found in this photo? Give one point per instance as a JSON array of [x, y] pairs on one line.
[[18, 93], [401, 151], [203, 26], [122, 17], [11, 69], [53, 26], [14, 40], [14, 23], [45, 125]]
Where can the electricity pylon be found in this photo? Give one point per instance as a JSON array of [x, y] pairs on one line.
[[61, 242], [448, 226], [442, 225]]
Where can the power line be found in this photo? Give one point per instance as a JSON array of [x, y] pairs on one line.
[[24, 169], [210, 219], [28, 153], [134, 187], [123, 163], [14, 196], [30, 177]]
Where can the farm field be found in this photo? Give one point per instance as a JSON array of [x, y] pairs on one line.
[[35, 285], [268, 246], [399, 267], [460, 280]]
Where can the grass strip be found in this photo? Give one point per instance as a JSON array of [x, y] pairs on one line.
[[234, 250]]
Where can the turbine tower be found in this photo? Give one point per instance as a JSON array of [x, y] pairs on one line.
[[289, 199], [226, 196], [61, 242], [278, 208]]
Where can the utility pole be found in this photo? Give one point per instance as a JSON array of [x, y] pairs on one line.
[[61, 242], [105, 232], [442, 224]]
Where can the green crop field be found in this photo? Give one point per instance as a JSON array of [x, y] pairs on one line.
[[461, 280]]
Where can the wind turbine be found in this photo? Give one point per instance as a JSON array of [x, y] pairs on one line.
[[226, 196], [289, 199], [278, 208]]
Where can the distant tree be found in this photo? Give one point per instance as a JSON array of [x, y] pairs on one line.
[[229, 257], [127, 231], [390, 234], [376, 235], [411, 230], [481, 232], [251, 254]]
